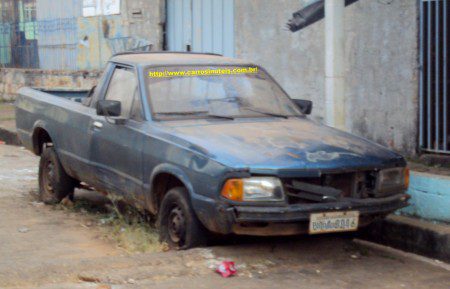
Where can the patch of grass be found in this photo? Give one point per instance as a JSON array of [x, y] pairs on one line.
[[364, 251], [135, 236], [7, 118], [390, 257], [6, 105], [356, 248], [7, 111], [131, 229]]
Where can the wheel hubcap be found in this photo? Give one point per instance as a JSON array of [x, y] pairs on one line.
[[177, 225]]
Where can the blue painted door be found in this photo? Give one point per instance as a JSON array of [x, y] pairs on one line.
[[200, 26]]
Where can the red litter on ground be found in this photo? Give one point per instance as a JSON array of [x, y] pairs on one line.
[[226, 269]]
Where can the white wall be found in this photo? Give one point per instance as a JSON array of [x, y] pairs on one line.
[[381, 62]]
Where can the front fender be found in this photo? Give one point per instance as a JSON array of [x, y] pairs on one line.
[[211, 212], [168, 169]]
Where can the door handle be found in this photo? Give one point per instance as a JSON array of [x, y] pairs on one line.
[[97, 124]]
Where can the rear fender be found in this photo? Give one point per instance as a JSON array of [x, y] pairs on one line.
[[40, 125]]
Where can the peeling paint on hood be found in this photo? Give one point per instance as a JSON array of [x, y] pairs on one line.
[[278, 144], [324, 156]]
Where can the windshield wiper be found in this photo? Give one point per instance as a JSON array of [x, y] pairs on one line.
[[182, 112], [201, 113], [266, 112], [221, 116]]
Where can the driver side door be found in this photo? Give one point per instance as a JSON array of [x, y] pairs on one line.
[[116, 149]]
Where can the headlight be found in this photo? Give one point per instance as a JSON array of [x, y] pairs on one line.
[[253, 189], [393, 178]]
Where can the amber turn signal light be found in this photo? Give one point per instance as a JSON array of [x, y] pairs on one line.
[[406, 182], [233, 189]]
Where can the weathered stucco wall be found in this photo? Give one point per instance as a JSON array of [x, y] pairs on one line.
[[139, 23], [146, 20], [13, 79], [381, 62], [382, 71], [295, 60]]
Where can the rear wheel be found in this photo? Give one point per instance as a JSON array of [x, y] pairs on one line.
[[177, 222], [54, 183]]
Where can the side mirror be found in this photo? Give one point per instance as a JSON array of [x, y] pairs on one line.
[[304, 105], [108, 107]]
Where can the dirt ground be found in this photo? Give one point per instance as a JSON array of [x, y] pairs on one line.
[[45, 247]]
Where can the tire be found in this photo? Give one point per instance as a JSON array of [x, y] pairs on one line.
[[54, 183], [178, 225]]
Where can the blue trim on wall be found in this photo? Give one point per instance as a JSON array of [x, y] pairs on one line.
[[430, 197]]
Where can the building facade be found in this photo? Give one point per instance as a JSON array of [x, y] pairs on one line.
[[383, 72]]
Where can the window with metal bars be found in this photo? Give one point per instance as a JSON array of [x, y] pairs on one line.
[[18, 34], [434, 71]]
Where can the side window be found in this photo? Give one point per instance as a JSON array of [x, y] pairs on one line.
[[123, 87]]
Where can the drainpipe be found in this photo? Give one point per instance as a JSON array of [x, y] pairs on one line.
[[334, 63]]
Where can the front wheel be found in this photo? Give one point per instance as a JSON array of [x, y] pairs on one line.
[[54, 183], [177, 222]]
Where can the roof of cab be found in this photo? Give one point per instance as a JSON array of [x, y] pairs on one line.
[[174, 58]]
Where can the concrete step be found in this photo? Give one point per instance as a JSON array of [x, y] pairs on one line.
[[412, 235]]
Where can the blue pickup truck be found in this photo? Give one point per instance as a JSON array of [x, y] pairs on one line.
[[208, 144]]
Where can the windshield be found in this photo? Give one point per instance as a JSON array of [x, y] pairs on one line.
[[215, 91]]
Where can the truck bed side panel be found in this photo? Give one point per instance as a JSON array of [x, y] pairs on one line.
[[67, 122]]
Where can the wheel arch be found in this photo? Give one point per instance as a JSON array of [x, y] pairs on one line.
[[40, 136], [164, 177]]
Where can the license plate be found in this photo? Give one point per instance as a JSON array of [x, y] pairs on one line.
[[333, 222]]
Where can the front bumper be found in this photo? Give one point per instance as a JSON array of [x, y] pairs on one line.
[[301, 212], [291, 219]]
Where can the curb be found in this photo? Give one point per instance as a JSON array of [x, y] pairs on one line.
[[9, 137], [411, 235]]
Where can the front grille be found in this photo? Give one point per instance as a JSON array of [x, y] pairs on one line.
[[330, 187]]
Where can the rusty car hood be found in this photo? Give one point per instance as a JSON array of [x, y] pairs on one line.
[[272, 144]]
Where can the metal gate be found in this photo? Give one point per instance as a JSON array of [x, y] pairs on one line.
[[200, 26], [433, 89]]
